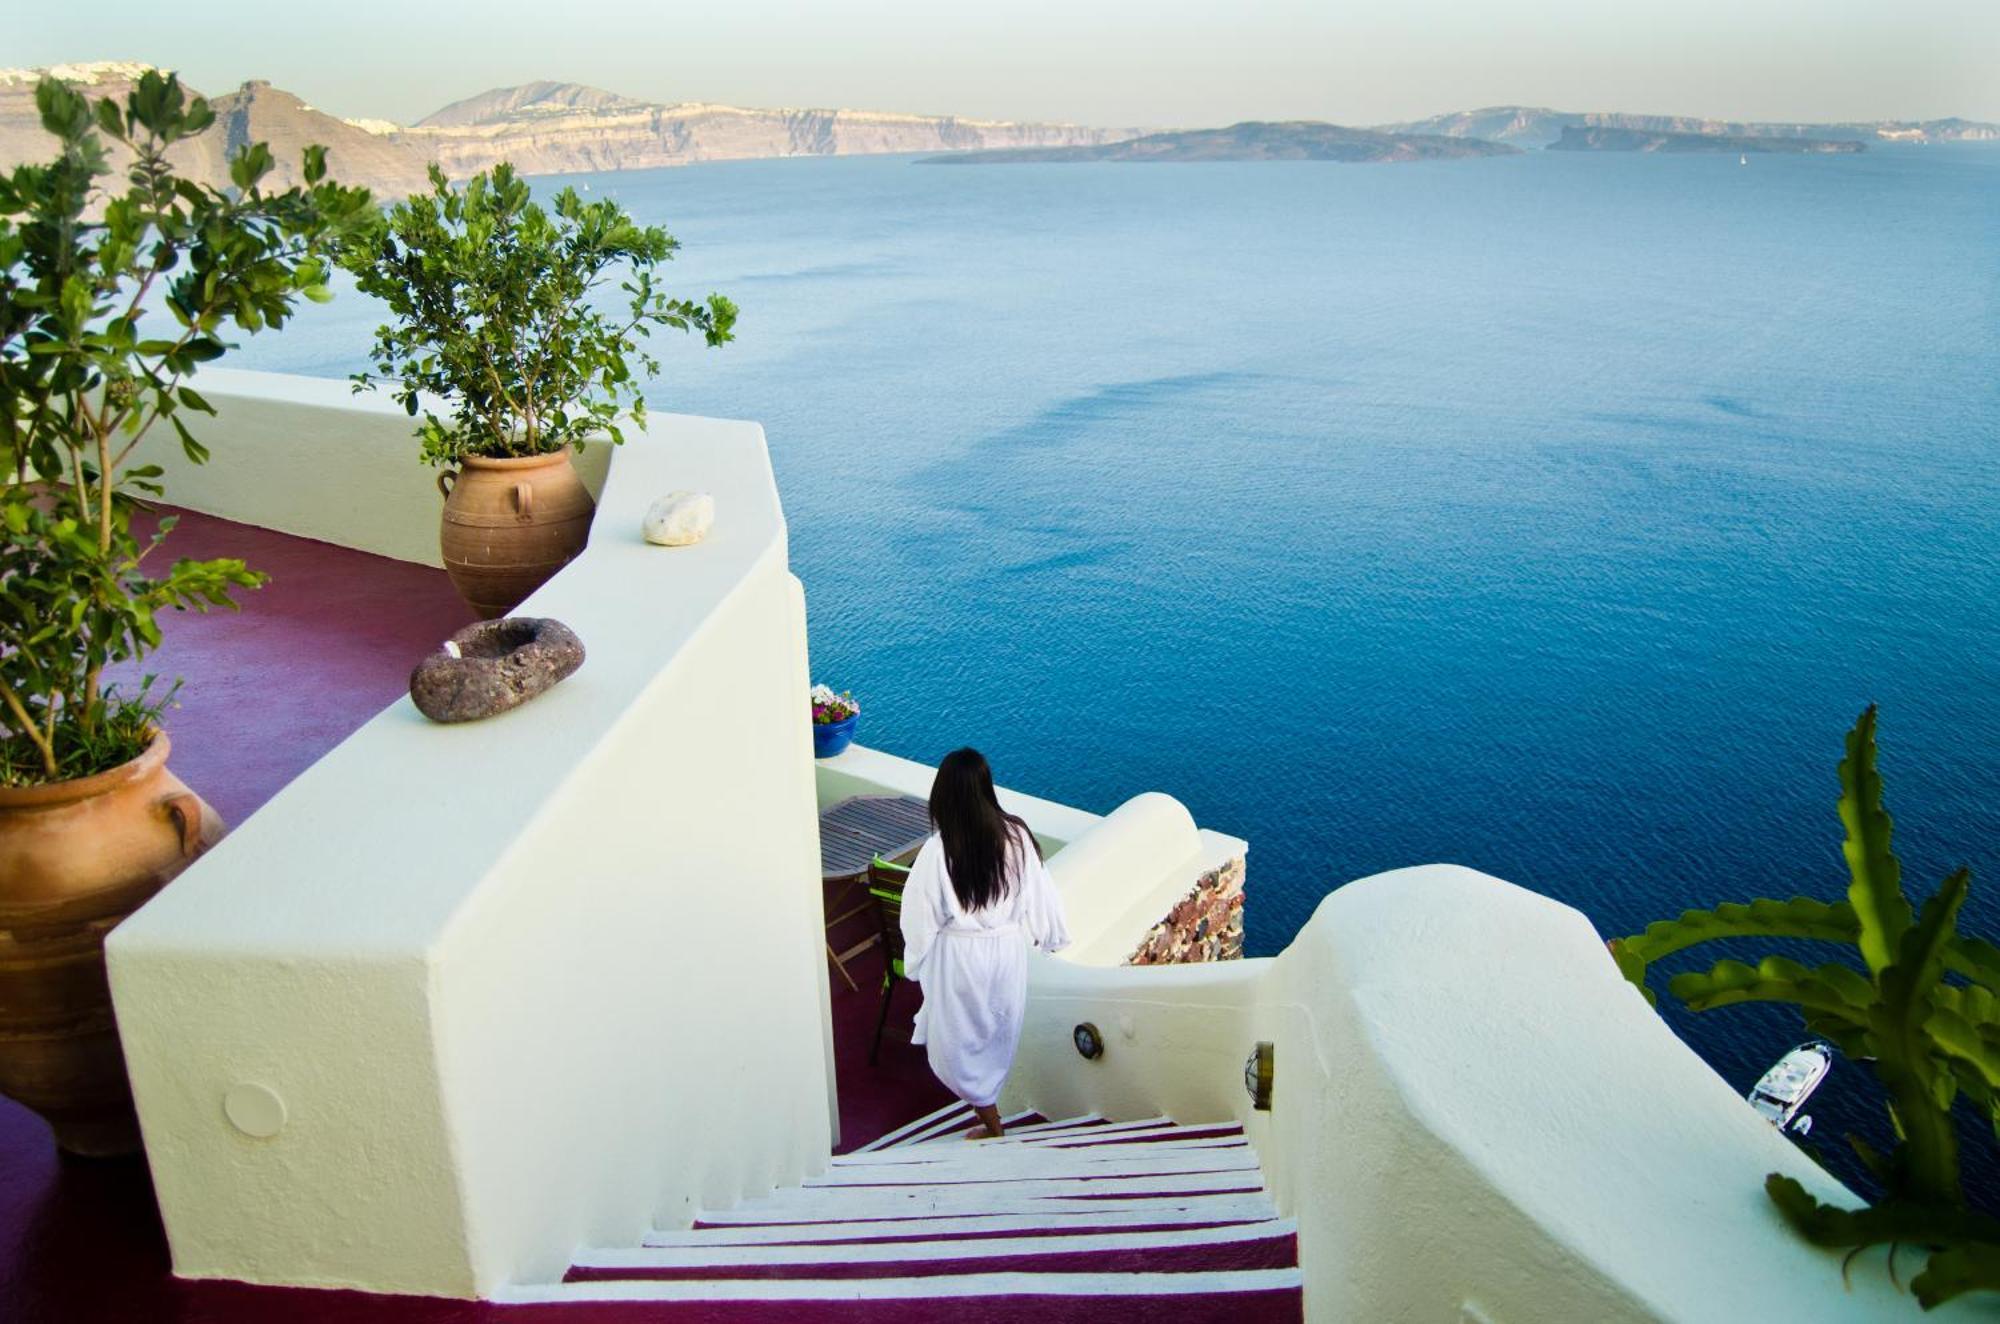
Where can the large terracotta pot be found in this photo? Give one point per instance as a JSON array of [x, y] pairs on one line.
[[509, 525], [76, 857]]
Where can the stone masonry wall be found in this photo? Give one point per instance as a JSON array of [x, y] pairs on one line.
[[1204, 925]]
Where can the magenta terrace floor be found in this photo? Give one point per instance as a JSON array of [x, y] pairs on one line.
[[311, 656]]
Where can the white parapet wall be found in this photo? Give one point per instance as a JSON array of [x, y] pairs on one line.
[[313, 457], [502, 989], [1474, 1116]]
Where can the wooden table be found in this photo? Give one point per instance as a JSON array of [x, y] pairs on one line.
[[851, 834]]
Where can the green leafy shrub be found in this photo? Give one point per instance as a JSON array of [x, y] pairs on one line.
[[1919, 1005], [493, 303], [89, 280]]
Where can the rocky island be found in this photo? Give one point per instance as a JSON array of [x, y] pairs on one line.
[[1539, 126], [1287, 140], [1581, 139]]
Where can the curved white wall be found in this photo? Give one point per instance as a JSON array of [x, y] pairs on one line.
[[547, 979], [1473, 1113], [1118, 873]]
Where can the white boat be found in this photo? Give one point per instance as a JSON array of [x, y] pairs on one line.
[[1742, 159], [1784, 1089]]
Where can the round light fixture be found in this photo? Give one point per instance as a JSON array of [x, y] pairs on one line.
[[1088, 1041], [1257, 1073]]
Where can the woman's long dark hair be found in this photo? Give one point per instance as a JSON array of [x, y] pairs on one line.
[[979, 838]]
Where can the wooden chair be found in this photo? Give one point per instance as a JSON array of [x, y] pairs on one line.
[[885, 888], [842, 891]]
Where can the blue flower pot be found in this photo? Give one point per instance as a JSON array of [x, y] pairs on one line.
[[830, 738]]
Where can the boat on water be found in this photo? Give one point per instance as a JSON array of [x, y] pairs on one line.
[[1742, 159], [1781, 1092]]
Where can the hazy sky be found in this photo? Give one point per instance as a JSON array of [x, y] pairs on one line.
[[1149, 62]]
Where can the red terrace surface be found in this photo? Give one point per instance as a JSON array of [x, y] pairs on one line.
[[312, 656]]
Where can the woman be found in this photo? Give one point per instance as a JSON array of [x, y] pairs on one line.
[[976, 897]]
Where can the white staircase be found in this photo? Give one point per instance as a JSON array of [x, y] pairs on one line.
[[1075, 1219]]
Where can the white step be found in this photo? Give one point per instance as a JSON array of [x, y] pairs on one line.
[[1110, 1185], [849, 1215], [1061, 1163], [917, 1156], [954, 1125], [932, 1251], [1215, 1133], [1150, 1130], [1036, 1133], [908, 1129], [1220, 1209], [836, 1203], [1056, 1124], [942, 1287]]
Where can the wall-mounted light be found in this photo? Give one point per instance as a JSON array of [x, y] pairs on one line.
[[1088, 1041], [1257, 1072]]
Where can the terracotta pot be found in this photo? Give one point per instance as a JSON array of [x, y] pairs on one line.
[[76, 857], [509, 525]]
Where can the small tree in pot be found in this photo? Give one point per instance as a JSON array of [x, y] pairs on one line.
[[496, 311], [109, 302]]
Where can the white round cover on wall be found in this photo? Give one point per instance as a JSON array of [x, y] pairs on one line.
[[255, 1110]]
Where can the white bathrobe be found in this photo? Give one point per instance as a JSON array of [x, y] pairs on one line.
[[974, 967]]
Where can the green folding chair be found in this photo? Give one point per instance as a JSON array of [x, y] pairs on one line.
[[885, 887]]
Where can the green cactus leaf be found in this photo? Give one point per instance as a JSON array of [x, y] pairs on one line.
[[1975, 958], [1962, 1041], [1832, 992], [1875, 889], [1956, 1270], [1800, 917]]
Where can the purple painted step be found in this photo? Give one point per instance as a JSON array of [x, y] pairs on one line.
[[1275, 1306]]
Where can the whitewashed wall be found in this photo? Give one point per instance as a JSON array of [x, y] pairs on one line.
[[310, 456], [521, 984], [1474, 1118]]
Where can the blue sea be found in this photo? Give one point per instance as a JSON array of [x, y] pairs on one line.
[[1554, 515]]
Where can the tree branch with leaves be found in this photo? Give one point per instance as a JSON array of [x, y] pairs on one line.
[[497, 308], [111, 298]]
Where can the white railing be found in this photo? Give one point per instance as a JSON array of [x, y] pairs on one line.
[[1474, 1116], [506, 988]]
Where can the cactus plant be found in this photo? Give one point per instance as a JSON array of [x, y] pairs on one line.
[[1928, 1040]]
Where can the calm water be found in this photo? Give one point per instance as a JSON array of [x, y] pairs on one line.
[[1554, 515]]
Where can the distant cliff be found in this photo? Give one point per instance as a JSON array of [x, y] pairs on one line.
[[1538, 126], [1578, 139], [255, 112], [1289, 140], [543, 128], [565, 128], [560, 128]]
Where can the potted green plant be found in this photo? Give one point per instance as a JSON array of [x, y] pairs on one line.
[[834, 717], [495, 309], [110, 299]]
